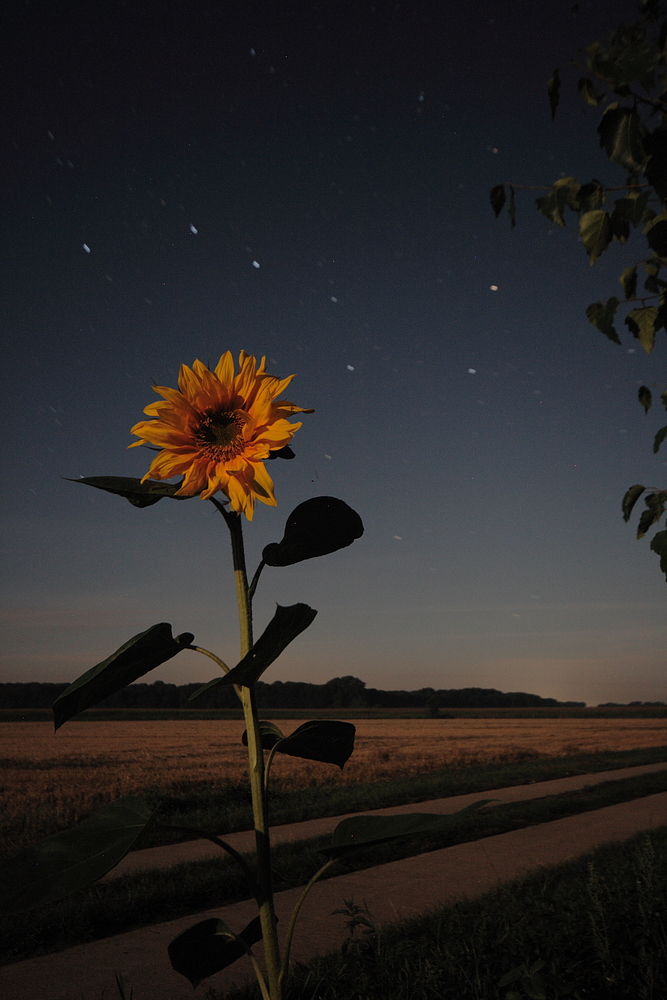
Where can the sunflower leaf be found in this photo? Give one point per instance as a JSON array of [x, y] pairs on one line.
[[285, 625], [324, 740], [139, 494], [315, 528], [73, 858], [135, 658], [210, 946], [365, 831]]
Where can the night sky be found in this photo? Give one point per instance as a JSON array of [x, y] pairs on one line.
[[309, 181]]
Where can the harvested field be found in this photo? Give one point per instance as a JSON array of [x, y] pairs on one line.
[[50, 782]]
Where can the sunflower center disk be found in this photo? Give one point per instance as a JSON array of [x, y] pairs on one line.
[[219, 434]]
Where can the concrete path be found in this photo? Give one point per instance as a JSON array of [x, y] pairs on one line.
[[197, 850], [391, 892]]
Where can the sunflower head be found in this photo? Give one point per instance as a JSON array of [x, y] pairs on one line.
[[217, 430]]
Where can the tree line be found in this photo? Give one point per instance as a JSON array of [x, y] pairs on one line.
[[340, 692]]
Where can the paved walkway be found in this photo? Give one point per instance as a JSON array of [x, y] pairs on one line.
[[391, 892]]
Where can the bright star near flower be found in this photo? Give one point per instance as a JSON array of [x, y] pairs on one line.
[[472, 371], [86, 248], [494, 288], [193, 230], [350, 368], [255, 264]]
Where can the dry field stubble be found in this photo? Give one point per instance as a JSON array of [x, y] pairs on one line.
[[49, 782]]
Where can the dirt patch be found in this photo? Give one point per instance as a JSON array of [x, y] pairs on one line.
[[50, 782]]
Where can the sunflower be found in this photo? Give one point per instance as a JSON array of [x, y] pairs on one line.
[[217, 429]]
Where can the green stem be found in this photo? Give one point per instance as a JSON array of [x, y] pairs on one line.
[[207, 652], [256, 764], [295, 913]]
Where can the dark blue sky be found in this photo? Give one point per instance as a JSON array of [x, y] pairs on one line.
[[485, 436]]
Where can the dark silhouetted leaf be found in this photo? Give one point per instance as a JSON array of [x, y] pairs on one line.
[[512, 208], [139, 655], [285, 625], [139, 494], [588, 92], [656, 234], [659, 438], [595, 232], [285, 452], [74, 858], [620, 132], [315, 528], [641, 323], [659, 546], [644, 396], [655, 508], [601, 315], [498, 199], [630, 499], [364, 831], [629, 281], [324, 740], [553, 89], [210, 946]]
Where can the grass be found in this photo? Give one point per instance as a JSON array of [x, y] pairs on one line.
[[111, 907], [587, 929]]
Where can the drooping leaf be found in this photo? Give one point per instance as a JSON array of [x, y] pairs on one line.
[[364, 831], [210, 946], [590, 196], [641, 323], [659, 438], [619, 222], [553, 89], [139, 655], [655, 171], [324, 740], [645, 398], [629, 281], [656, 234], [621, 132], [630, 499], [595, 231], [498, 199], [655, 508], [285, 625], [659, 546], [601, 315], [74, 858], [512, 208], [139, 494], [588, 92], [315, 528], [663, 397], [564, 191]]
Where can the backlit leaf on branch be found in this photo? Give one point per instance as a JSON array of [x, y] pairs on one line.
[[324, 740], [74, 858], [595, 231], [629, 281], [620, 132], [601, 315], [630, 499], [642, 322], [659, 438], [588, 92], [645, 398], [139, 494], [210, 946], [498, 199], [659, 546], [655, 508], [656, 234], [139, 655], [316, 527]]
